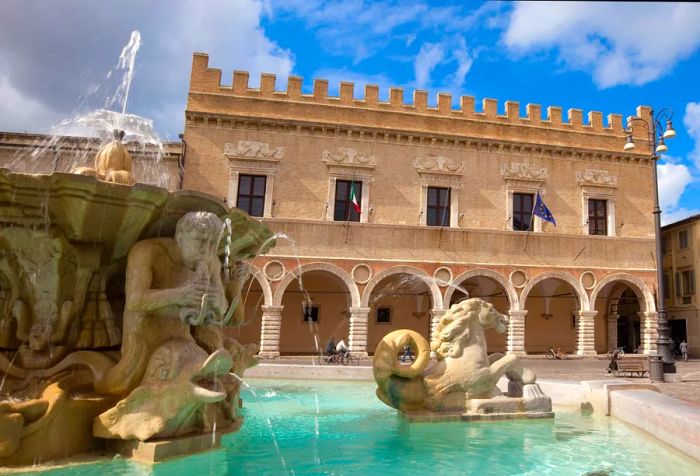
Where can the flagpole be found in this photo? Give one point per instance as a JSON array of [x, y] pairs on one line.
[[347, 222]]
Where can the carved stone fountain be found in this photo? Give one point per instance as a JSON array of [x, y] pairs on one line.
[[114, 315], [462, 383]]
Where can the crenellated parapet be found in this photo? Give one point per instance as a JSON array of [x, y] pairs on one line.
[[207, 81]]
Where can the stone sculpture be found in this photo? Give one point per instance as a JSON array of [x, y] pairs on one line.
[[113, 163], [174, 377], [464, 378]]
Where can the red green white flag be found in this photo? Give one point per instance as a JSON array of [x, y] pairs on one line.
[[353, 198]]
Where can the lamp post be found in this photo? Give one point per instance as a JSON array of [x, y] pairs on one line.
[[658, 146]]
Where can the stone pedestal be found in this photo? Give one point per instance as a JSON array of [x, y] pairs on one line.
[[516, 332], [270, 332], [358, 331], [154, 451], [585, 335]]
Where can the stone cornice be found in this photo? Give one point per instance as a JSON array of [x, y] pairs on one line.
[[399, 137]]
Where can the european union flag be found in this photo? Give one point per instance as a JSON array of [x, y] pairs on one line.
[[541, 210]]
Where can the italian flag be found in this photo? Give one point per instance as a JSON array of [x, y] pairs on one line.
[[353, 198]]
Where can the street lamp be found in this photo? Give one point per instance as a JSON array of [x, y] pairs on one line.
[[658, 146]]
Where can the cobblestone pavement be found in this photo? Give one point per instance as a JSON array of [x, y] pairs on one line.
[[687, 389]]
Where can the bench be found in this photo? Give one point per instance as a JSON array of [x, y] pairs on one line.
[[631, 368]]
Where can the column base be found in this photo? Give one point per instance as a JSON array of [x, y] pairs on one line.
[[268, 355], [519, 353]]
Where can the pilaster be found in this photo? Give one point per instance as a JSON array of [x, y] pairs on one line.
[[516, 332], [585, 344], [270, 332], [649, 325], [358, 331]]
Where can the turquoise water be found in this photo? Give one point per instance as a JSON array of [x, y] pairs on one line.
[[339, 428]]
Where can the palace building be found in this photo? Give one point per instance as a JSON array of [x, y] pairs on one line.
[[389, 211], [681, 247]]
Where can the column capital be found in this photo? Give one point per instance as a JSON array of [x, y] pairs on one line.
[[517, 312], [587, 314], [272, 309], [436, 312], [360, 310]]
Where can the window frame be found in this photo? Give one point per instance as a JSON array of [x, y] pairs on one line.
[[443, 210], [514, 212], [376, 316], [252, 196], [686, 240], [593, 229], [350, 214], [314, 308]]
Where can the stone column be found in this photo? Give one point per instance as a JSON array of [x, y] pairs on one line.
[[435, 316], [270, 332], [358, 331], [649, 326], [515, 343], [612, 331], [586, 333]]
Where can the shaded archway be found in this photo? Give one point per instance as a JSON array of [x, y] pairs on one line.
[[315, 308], [552, 301], [491, 287], [621, 301], [399, 298]]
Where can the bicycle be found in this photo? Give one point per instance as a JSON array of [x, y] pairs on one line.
[[617, 353], [558, 354], [339, 359]]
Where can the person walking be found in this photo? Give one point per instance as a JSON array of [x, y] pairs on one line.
[[684, 350]]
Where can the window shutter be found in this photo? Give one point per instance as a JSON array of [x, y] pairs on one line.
[[678, 284], [691, 276]]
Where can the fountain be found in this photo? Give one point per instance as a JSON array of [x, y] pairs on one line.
[[462, 384], [115, 312]]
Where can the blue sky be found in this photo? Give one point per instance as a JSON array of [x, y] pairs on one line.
[[607, 57]]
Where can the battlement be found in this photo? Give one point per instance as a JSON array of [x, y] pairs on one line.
[[208, 80]]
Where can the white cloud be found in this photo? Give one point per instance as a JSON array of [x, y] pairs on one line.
[[429, 56], [21, 113], [691, 119], [677, 215], [612, 40], [673, 179], [57, 60]]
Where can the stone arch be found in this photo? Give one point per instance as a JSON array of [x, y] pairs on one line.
[[256, 274], [487, 273], [636, 284], [435, 293], [567, 278], [327, 267]]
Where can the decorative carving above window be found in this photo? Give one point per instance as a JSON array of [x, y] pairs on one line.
[[517, 171], [439, 165], [349, 158], [598, 178], [250, 149]]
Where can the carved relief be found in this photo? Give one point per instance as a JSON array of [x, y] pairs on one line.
[[438, 164], [349, 157], [254, 150], [520, 171], [596, 177]]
